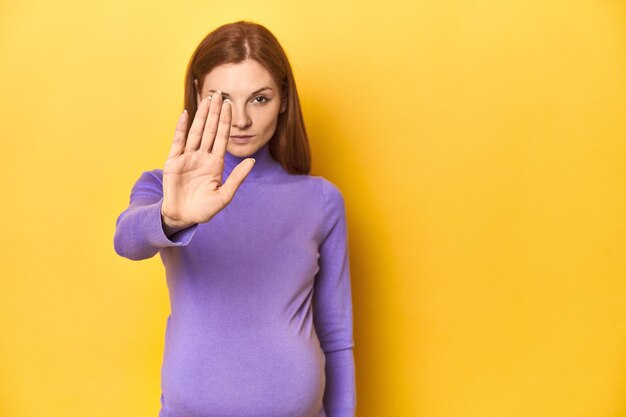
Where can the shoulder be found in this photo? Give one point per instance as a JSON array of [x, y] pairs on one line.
[[318, 187], [331, 200], [328, 192], [333, 220], [152, 177], [332, 195], [153, 174], [149, 182]]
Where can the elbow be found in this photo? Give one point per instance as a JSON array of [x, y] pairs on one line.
[[127, 242], [122, 250], [126, 250]]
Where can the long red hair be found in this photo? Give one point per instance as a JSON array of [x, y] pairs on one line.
[[233, 43]]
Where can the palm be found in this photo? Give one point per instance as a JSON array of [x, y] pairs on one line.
[[192, 175], [194, 180]]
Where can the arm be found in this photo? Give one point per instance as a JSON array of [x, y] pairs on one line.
[[332, 306], [139, 230]]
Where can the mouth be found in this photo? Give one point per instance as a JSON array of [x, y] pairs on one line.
[[240, 138]]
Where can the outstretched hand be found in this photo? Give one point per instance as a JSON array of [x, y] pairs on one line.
[[192, 176]]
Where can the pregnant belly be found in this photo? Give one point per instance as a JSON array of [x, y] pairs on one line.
[[278, 375]]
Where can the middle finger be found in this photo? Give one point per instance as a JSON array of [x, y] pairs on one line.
[[210, 128], [223, 130]]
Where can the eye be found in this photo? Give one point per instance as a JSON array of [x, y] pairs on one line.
[[261, 99]]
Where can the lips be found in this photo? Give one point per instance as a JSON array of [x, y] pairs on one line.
[[241, 139]]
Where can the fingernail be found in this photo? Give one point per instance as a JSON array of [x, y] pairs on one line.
[[226, 100], [218, 91]]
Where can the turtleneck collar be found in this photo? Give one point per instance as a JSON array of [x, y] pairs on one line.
[[265, 166]]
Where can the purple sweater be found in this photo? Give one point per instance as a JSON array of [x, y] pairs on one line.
[[260, 297]]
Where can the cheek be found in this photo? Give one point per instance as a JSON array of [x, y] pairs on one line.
[[266, 117]]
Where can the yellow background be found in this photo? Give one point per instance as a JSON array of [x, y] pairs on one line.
[[480, 147]]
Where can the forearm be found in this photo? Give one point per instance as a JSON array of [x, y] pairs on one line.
[[340, 394], [140, 234]]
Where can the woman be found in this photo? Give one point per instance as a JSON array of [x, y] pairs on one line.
[[254, 247]]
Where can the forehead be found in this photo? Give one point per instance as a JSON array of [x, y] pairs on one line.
[[242, 77]]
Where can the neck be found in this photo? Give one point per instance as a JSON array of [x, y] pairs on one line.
[[265, 166]]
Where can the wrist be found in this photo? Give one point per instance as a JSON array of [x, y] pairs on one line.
[[171, 226]]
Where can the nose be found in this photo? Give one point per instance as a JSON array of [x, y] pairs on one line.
[[240, 117]]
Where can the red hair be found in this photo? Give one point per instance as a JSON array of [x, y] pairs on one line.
[[233, 43]]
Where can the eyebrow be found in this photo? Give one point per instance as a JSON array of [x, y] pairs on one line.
[[256, 92]]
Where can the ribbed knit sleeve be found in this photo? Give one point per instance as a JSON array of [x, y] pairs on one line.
[[332, 306], [139, 230]]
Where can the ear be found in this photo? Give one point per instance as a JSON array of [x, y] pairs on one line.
[[283, 105]]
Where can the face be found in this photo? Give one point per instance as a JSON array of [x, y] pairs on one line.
[[255, 100]]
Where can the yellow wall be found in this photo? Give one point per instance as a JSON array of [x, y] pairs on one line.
[[481, 149]]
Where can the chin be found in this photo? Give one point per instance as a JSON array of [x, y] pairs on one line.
[[243, 150]]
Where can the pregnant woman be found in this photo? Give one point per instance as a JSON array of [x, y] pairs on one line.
[[255, 248]]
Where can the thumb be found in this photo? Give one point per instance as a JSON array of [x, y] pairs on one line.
[[236, 177]]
